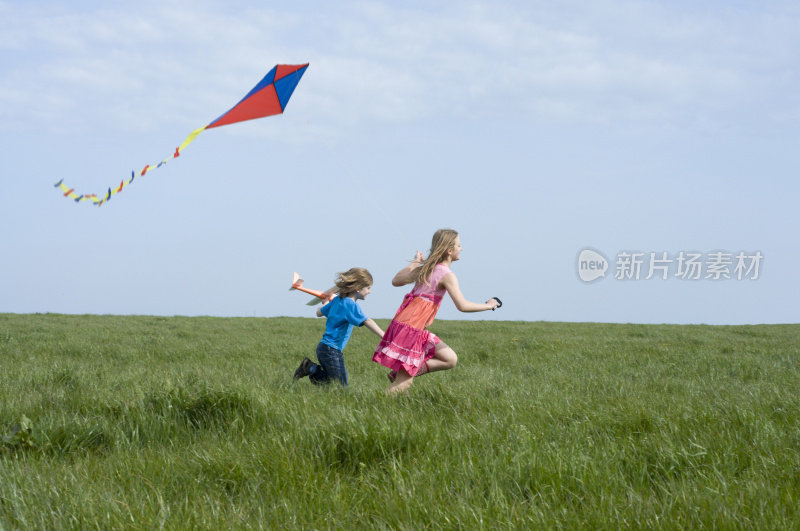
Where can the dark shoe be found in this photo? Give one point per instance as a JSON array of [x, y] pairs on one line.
[[304, 369]]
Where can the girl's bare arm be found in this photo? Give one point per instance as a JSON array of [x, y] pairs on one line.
[[408, 274], [450, 283]]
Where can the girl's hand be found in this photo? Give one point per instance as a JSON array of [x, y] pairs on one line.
[[408, 274], [494, 303]]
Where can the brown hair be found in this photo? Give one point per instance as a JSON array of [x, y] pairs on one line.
[[352, 280], [443, 241]]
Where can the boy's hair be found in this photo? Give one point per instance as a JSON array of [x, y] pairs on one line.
[[443, 241], [352, 280]]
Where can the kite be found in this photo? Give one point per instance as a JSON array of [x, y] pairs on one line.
[[319, 296], [267, 98]]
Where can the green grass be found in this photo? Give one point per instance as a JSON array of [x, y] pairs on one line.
[[152, 422]]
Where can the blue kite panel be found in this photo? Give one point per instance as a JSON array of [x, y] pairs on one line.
[[285, 86]]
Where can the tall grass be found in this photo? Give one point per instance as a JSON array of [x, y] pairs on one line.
[[150, 422]]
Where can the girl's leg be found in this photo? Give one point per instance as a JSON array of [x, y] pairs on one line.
[[444, 358], [401, 383]]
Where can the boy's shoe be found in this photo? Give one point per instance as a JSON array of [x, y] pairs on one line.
[[304, 369], [392, 376]]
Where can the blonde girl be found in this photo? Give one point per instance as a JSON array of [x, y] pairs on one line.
[[407, 347]]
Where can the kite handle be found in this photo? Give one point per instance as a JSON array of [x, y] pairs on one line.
[[499, 303]]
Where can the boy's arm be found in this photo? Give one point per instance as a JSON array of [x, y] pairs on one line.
[[320, 313], [369, 323]]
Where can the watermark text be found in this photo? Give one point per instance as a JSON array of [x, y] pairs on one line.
[[663, 265]]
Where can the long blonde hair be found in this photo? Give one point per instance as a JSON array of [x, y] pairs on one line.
[[352, 280], [443, 240]]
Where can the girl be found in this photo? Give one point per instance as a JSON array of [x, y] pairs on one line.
[[407, 347], [342, 314]]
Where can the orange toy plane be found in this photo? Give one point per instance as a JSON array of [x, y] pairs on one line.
[[319, 296]]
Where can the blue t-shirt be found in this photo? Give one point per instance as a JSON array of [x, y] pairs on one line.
[[343, 313]]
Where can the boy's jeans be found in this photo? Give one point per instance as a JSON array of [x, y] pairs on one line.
[[331, 366]]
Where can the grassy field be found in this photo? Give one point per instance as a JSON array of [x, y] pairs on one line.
[[152, 422]]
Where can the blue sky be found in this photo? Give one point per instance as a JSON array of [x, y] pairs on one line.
[[536, 129]]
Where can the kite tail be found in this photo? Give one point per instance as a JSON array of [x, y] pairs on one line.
[[70, 192]]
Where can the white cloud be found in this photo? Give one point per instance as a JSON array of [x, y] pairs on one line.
[[598, 62]]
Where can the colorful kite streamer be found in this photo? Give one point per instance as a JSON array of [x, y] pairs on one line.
[[267, 98]]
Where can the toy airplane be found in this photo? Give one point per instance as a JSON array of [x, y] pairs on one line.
[[319, 296]]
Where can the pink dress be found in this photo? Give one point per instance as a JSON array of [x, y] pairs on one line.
[[407, 343]]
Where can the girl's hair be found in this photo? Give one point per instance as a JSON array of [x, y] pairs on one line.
[[352, 280], [443, 241]]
